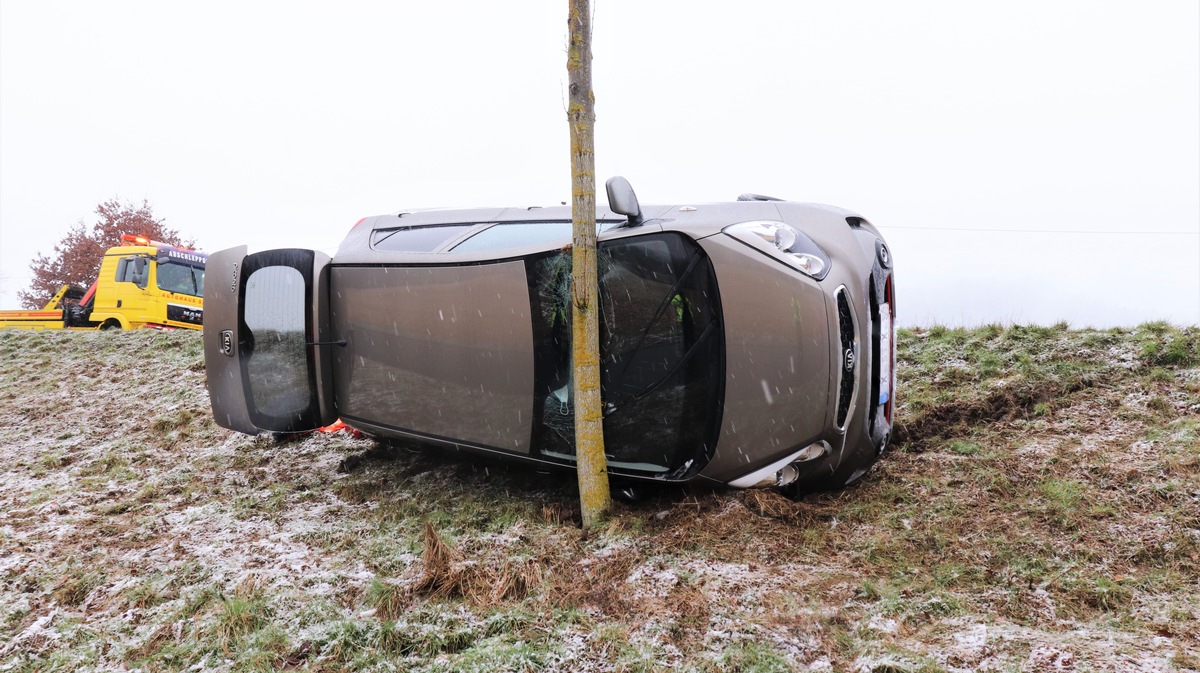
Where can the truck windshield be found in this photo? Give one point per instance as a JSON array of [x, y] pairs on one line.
[[181, 278]]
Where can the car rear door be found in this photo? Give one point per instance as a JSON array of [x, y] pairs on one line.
[[266, 346], [442, 353]]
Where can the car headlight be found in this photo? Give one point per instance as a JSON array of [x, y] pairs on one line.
[[785, 243]]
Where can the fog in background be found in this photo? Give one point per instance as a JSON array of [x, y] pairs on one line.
[[1028, 162]]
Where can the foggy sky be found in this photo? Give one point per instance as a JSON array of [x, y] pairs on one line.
[[1028, 162]]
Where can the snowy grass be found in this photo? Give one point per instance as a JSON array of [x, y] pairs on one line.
[[1041, 511]]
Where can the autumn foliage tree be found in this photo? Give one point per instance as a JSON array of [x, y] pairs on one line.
[[76, 258]]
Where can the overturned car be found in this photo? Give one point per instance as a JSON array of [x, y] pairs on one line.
[[747, 343]]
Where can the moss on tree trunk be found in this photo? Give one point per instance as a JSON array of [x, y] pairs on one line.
[[594, 497]]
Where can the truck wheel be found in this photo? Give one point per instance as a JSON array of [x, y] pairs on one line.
[[110, 324]]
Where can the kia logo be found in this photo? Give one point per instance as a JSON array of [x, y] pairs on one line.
[[227, 342], [850, 359]]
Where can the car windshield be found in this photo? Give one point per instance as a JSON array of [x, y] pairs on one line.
[[661, 352], [181, 278]]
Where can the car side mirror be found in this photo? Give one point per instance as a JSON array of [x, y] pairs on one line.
[[622, 200], [139, 272]]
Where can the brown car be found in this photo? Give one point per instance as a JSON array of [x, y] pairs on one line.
[[747, 343]]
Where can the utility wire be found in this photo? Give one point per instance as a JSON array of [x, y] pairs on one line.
[[1046, 231]]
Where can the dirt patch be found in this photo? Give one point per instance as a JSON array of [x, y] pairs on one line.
[[957, 417]]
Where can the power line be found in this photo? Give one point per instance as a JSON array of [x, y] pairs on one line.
[[1047, 231]]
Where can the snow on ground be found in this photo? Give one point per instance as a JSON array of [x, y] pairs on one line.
[[137, 535]]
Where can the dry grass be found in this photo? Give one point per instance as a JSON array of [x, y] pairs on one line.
[[479, 581], [1038, 510]]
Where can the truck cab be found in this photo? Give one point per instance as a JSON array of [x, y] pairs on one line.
[[142, 283], [148, 284]]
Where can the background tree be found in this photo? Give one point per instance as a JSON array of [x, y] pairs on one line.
[[594, 496], [76, 258]]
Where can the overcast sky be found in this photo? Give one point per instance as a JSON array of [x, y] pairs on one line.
[[1028, 162]]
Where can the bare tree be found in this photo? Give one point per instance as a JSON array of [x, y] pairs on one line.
[[76, 258], [594, 496]]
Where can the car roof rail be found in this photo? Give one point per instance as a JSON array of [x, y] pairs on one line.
[[757, 197]]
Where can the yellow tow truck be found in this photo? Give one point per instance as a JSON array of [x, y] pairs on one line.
[[142, 283]]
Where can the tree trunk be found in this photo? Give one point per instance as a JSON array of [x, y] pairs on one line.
[[594, 496]]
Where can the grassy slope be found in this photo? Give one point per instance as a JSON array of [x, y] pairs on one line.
[[1041, 510]]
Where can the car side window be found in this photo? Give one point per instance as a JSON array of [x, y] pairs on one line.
[[420, 238], [516, 234], [513, 234]]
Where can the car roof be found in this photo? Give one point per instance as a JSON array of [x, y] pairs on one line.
[[718, 213]]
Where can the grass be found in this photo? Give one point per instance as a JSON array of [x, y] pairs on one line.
[[1040, 491]]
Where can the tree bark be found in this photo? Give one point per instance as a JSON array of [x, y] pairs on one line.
[[594, 496]]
